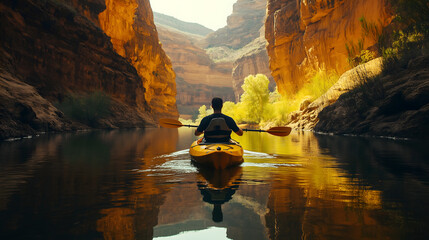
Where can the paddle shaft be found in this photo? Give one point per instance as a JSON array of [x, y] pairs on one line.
[[277, 131], [244, 129]]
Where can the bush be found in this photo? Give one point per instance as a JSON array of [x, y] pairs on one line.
[[405, 46], [86, 108]]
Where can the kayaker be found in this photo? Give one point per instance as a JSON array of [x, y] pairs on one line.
[[217, 127]]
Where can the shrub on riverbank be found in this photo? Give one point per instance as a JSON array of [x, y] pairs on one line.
[[86, 108]]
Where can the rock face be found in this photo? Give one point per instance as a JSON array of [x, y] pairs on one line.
[[132, 30], [304, 36], [198, 77], [307, 117], [52, 48], [254, 61], [242, 43], [399, 107], [242, 25]]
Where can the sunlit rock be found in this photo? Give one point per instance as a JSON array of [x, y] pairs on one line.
[[307, 116], [130, 26], [304, 36]]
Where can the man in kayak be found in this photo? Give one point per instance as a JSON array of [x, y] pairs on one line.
[[217, 127]]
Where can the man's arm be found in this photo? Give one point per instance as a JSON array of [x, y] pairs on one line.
[[239, 132], [197, 133], [201, 127]]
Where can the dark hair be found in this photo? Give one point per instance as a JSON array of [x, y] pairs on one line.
[[217, 103]]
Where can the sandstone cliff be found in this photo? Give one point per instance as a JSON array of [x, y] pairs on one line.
[[304, 36], [52, 48], [242, 25], [198, 77], [132, 30], [254, 60], [242, 43]]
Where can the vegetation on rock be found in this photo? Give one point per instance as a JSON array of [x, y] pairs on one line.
[[86, 108]]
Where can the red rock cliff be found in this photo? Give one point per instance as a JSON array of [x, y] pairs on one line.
[[304, 36]]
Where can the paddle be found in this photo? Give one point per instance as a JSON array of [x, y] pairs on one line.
[[276, 131]]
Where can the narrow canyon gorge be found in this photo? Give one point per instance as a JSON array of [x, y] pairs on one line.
[[149, 65]]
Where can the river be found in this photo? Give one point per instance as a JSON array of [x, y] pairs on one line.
[[140, 184]]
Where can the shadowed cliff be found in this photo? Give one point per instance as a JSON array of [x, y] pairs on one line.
[[51, 50]]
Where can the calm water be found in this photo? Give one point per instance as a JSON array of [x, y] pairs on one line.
[[140, 184]]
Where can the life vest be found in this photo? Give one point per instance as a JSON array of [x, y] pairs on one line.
[[217, 131]]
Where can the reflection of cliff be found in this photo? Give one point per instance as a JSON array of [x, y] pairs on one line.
[[304, 36], [311, 195], [53, 48], [82, 184]]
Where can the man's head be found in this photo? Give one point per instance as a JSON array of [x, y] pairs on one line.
[[217, 104]]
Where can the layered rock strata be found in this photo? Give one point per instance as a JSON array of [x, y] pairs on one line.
[[51, 49], [305, 36]]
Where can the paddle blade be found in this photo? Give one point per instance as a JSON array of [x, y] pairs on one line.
[[279, 131], [169, 123]]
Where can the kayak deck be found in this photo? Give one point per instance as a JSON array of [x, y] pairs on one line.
[[216, 155]]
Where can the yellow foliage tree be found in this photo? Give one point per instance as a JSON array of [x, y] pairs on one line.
[[255, 98]]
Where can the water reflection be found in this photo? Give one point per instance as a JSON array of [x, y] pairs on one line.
[[140, 184], [217, 187]]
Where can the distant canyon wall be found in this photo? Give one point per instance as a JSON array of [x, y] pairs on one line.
[[198, 78], [304, 36], [243, 40], [53, 48], [216, 64], [242, 27]]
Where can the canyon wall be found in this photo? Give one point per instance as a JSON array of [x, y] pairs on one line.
[[305, 36], [51, 49], [132, 30], [198, 77], [242, 25], [242, 43], [254, 60]]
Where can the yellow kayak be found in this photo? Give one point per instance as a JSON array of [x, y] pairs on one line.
[[216, 155]]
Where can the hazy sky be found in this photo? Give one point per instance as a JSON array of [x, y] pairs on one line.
[[209, 13]]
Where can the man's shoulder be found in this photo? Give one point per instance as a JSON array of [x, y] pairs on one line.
[[227, 117]]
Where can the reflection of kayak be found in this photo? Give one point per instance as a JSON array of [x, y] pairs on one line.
[[216, 155], [218, 186]]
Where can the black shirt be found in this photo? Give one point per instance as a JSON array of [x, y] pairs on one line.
[[206, 121]]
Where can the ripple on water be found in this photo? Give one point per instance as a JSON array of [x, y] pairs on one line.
[[176, 162]]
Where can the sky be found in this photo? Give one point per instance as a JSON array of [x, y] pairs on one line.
[[209, 13]]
